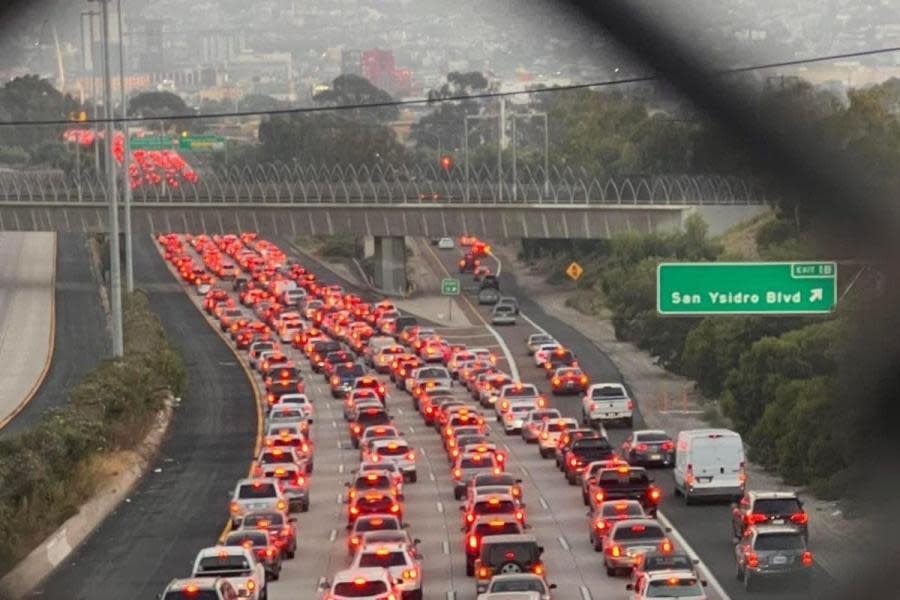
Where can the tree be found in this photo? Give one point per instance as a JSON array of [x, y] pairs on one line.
[[444, 127], [353, 90], [30, 98], [259, 102]]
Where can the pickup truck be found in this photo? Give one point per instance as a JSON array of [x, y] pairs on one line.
[[624, 482], [582, 452], [607, 402]]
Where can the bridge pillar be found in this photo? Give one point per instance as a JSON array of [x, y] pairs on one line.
[[390, 264]]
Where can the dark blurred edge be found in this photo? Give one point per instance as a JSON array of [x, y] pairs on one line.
[[853, 215]]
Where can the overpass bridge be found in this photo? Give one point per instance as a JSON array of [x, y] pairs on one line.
[[385, 202]]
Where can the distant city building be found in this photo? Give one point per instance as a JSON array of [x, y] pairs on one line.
[[378, 67], [351, 62]]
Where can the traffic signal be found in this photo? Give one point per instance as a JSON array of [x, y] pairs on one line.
[[446, 162]]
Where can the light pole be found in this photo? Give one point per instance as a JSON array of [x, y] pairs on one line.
[[532, 115], [499, 154], [90, 14], [126, 181], [115, 284]]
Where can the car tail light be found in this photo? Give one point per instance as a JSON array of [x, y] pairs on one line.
[[601, 525], [753, 560], [235, 508], [667, 446], [281, 505], [573, 462], [655, 494], [251, 585], [470, 518], [545, 436], [520, 516], [410, 574], [473, 542], [742, 475], [395, 508], [806, 558], [615, 551], [753, 518], [583, 380], [666, 547], [600, 496], [301, 480], [286, 532], [556, 382], [410, 456], [689, 475], [509, 416], [630, 405], [355, 540], [270, 552], [592, 407], [800, 518], [641, 447], [354, 510]]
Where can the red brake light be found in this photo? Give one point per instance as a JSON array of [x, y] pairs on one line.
[[473, 542], [615, 551], [753, 560], [807, 558], [655, 494], [756, 518], [801, 518]]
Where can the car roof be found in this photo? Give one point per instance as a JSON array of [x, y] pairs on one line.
[[251, 481], [665, 574], [379, 442], [775, 530], [216, 550], [649, 432], [390, 546], [510, 538], [768, 495], [369, 573], [637, 521], [202, 583]]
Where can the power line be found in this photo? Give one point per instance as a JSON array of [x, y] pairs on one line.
[[480, 96]]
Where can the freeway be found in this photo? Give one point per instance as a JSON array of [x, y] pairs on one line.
[[27, 270], [173, 509], [81, 337], [705, 527]]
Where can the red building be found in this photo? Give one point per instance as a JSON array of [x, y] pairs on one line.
[[378, 67]]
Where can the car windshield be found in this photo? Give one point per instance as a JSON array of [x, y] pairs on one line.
[[500, 553], [777, 506], [495, 505], [372, 480], [270, 519], [529, 584], [383, 559], [652, 437], [556, 427], [630, 477], [373, 416], [608, 391], [778, 541], [638, 532], [193, 594], [520, 391], [674, 587], [345, 371], [393, 449], [673, 562], [619, 509], [359, 589], [377, 524], [433, 374], [476, 462], [257, 490], [590, 444]]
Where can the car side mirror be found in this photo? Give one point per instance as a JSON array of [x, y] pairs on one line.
[[629, 586], [552, 586], [703, 583], [696, 561], [518, 481], [324, 584], [417, 541], [292, 520], [668, 529], [540, 549]]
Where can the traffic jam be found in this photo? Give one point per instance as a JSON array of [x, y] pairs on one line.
[[423, 415]]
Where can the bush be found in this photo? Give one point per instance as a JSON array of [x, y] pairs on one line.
[[776, 231], [339, 246], [43, 470]]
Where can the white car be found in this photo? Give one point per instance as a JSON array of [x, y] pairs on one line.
[[291, 402], [607, 402], [519, 582], [533, 424], [446, 243], [237, 565], [683, 585], [550, 434], [373, 583], [543, 351], [516, 391], [396, 451], [515, 415], [251, 495], [536, 340], [399, 560]]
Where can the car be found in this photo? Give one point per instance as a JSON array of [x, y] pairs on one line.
[[279, 456], [368, 417], [550, 433], [558, 358], [367, 382], [534, 422], [491, 504], [370, 523], [509, 301], [390, 536], [344, 377], [205, 588], [521, 582], [399, 560], [488, 296], [439, 375], [566, 440], [259, 542], [667, 584], [765, 507], [489, 480], [709, 463], [237, 565], [374, 583], [507, 554], [607, 402], [396, 451], [624, 482], [768, 552], [378, 432], [536, 340], [582, 451], [486, 526], [628, 539], [371, 481], [543, 351], [608, 512], [515, 414], [291, 408], [446, 243], [569, 380], [468, 263], [649, 447], [375, 502], [251, 495], [294, 482], [282, 530], [480, 272], [503, 314], [488, 280], [656, 561], [468, 466]]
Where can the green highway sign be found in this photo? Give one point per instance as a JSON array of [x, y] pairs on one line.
[[785, 288], [450, 287], [153, 142], [194, 143]]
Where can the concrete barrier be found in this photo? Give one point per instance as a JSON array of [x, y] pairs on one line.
[[35, 567]]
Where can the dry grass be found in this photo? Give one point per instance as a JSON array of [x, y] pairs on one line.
[[740, 241]]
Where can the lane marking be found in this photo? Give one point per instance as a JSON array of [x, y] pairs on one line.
[[333, 535], [565, 544], [524, 470], [321, 583], [544, 503], [340, 498], [431, 476], [440, 506], [339, 445], [412, 429], [451, 595], [679, 539], [341, 468], [333, 422], [422, 452], [585, 593], [445, 545], [400, 411]]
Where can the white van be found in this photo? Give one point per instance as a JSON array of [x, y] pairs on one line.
[[283, 285], [292, 296], [709, 463]]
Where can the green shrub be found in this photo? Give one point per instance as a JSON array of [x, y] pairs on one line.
[[42, 479], [339, 246], [776, 231]]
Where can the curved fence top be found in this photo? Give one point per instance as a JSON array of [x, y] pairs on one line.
[[297, 183]]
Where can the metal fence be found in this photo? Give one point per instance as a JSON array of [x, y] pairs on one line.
[[295, 183]]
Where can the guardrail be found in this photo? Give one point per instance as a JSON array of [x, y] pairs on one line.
[[278, 183]]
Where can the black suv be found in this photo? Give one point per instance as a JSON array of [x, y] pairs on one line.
[[507, 554]]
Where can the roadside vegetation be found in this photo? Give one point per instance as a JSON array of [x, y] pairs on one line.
[[47, 472]]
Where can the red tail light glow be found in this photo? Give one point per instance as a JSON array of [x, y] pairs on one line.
[[807, 559], [800, 518]]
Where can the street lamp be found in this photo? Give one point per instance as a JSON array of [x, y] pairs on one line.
[[90, 14], [115, 284], [129, 254], [532, 115], [499, 153]]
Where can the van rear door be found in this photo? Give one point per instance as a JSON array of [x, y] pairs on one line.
[[717, 460]]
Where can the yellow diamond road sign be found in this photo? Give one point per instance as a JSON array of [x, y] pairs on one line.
[[574, 271]]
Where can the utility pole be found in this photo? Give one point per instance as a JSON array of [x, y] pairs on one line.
[[115, 283], [90, 14], [546, 150], [501, 137], [126, 180], [515, 160]]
